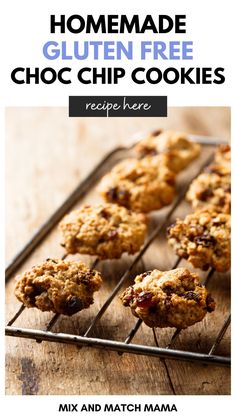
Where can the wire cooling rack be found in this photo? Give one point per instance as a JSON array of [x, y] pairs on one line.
[[126, 345]]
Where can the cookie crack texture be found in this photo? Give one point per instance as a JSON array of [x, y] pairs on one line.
[[63, 287], [104, 230], [203, 238], [172, 298]]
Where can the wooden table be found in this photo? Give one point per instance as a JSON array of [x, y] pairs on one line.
[[47, 155]]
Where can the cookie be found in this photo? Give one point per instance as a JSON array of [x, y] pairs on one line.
[[140, 185], [211, 189], [60, 286], [178, 150], [223, 155], [104, 230], [173, 298], [203, 238]]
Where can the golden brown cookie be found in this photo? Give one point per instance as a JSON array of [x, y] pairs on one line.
[[140, 185], [61, 286], [203, 238], [179, 151], [211, 189], [173, 298], [104, 230], [223, 155]]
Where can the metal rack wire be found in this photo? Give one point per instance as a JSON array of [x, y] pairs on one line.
[[119, 346]]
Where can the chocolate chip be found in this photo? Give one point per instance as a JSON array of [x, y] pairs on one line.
[[76, 242], [111, 235], [170, 181], [191, 236], [85, 278], [72, 306], [152, 309], [37, 290], [222, 201], [144, 274], [205, 240], [205, 194], [112, 194], [216, 222], [148, 151], [123, 195], [156, 132], [105, 214], [168, 289], [92, 272], [144, 299], [191, 295]]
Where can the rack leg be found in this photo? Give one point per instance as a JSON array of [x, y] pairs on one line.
[[164, 363]]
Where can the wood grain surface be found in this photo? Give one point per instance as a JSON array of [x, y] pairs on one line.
[[48, 154]]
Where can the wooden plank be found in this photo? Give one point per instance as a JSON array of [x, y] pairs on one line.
[[47, 155]]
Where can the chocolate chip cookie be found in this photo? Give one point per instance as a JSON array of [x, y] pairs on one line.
[[175, 146], [223, 155], [104, 230], [60, 286], [173, 298], [140, 185], [203, 238], [211, 189]]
